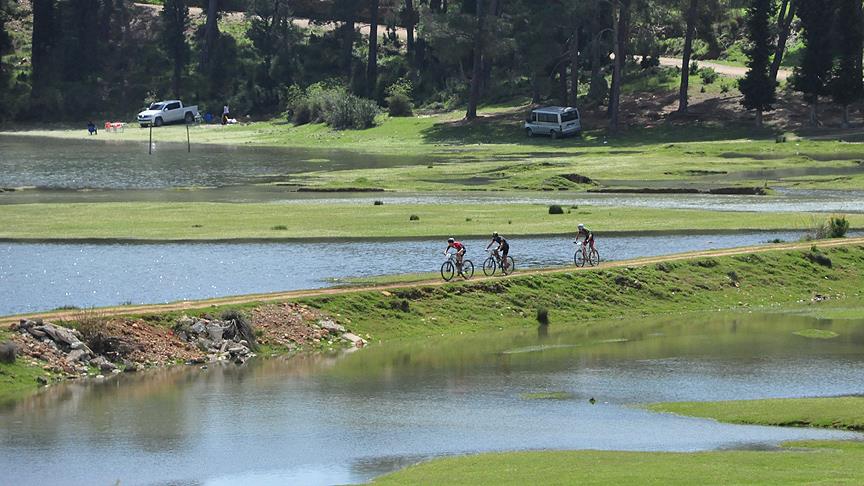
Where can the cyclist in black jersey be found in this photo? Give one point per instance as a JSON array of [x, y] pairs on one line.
[[503, 248]]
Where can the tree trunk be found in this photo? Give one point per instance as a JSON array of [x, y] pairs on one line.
[[574, 67], [814, 111], [42, 41], [683, 100], [409, 30], [477, 72], [211, 31], [784, 25], [535, 89], [348, 46], [845, 123], [372, 65], [620, 14], [562, 83], [759, 118]]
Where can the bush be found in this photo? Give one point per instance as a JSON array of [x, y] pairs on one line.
[[543, 316], [378, 203], [694, 67], [556, 209], [243, 326], [301, 113], [399, 105], [708, 75], [837, 226], [279, 227], [331, 104], [8, 352], [724, 88], [414, 217]]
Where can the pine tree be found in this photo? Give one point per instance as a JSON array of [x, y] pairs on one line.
[[476, 72], [372, 63], [847, 86], [175, 22], [756, 86], [814, 72], [5, 48], [692, 11]]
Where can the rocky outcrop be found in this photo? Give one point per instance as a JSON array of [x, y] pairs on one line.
[[221, 340]]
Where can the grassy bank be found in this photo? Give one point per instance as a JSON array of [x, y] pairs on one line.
[[502, 158], [803, 463], [223, 221], [834, 412]]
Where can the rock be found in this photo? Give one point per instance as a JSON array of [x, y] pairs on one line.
[[115, 371], [41, 380], [8, 352], [195, 361], [38, 334], [76, 355], [204, 344], [130, 368], [331, 327], [215, 332], [107, 367], [81, 346], [354, 339], [224, 346], [238, 360], [235, 350], [59, 334], [198, 327]]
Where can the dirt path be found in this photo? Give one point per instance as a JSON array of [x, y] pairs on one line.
[[297, 294], [725, 70]]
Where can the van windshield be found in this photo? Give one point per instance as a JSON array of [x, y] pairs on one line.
[[569, 116], [156, 106]]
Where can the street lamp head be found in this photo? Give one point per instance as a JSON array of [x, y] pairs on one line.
[[612, 56]]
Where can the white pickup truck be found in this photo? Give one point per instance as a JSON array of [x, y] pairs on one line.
[[168, 111]]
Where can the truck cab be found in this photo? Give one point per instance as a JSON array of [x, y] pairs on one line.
[[168, 111], [554, 121]]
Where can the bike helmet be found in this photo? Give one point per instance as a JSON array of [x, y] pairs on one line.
[[450, 240], [494, 233], [581, 226]]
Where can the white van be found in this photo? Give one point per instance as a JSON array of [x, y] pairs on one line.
[[555, 121]]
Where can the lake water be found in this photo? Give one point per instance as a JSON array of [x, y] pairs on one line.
[[339, 419], [44, 276]]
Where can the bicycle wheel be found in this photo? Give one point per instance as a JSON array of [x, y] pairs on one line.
[[579, 258], [489, 266], [467, 269], [447, 271], [511, 266], [593, 257]]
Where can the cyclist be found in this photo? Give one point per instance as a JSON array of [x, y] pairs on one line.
[[460, 252], [586, 234], [503, 248]]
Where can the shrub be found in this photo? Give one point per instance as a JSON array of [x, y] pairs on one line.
[[8, 352], [543, 316], [399, 105], [244, 327], [279, 227], [708, 75], [301, 113], [694, 67], [556, 209], [649, 62], [378, 203], [837, 226], [414, 217], [331, 104], [724, 87]]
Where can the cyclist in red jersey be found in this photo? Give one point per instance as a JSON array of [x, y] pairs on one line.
[[460, 252]]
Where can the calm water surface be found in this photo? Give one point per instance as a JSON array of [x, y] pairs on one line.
[[43, 276], [342, 419]]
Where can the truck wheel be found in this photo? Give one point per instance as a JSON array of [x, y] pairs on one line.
[[157, 122], [529, 132], [189, 117]]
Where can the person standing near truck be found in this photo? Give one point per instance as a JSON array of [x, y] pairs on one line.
[[226, 114]]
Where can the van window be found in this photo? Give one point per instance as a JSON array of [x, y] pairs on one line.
[[547, 118], [173, 106], [569, 116], [533, 116]]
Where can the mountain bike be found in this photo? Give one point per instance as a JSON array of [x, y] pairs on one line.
[[449, 268], [585, 254], [495, 263]]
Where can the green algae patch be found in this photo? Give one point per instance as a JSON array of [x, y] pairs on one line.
[[816, 334], [552, 395]]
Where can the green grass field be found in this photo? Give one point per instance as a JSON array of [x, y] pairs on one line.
[[835, 412], [801, 463], [224, 221]]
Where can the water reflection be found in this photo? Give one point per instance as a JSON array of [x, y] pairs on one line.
[[345, 418]]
